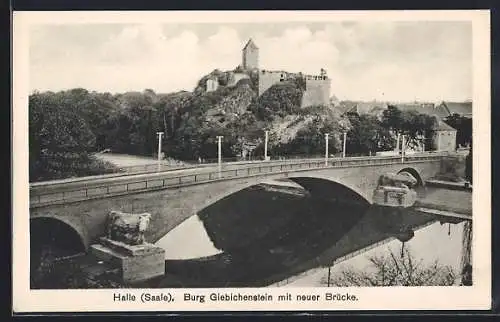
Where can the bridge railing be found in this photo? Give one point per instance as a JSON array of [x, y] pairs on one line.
[[47, 194], [163, 166]]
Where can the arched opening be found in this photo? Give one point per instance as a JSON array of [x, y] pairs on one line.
[[413, 173], [331, 190], [50, 239], [269, 229]]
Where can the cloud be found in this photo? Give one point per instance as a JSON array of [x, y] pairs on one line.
[[395, 61]]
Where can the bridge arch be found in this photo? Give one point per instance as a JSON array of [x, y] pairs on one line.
[[67, 233], [414, 173], [243, 215], [332, 189], [317, 186]]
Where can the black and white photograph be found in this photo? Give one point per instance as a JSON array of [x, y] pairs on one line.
[[325, 154]]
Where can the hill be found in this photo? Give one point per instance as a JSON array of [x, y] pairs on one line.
[[241, 116], [67, 127]]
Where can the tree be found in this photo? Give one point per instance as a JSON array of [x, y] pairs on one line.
[[366, 135], [463, 125], [310, 139], [468, 166], [61, 138], [415, 126], [395, 270]]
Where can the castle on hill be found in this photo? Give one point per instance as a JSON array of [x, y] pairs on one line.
[[317, 87]]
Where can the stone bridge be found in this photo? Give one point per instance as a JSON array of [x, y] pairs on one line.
[[76, 209]]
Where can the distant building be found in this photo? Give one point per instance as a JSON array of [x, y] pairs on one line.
[[430, 109], [212, 84], [250, 56], [461, 108], [373, 108], [316, 91], [444, 137]]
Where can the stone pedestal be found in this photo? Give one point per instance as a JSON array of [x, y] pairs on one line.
[[394, 197], [136, 263]]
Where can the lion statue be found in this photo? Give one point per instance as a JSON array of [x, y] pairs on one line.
[[127, 228]]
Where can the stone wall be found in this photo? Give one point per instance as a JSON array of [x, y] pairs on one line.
[[445, 140], [317, 92], [453, 167], [268, 79], [236, 77]]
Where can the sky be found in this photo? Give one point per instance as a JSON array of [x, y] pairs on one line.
[[386, 61]]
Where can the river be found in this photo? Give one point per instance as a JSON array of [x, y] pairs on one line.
[[292, 238]]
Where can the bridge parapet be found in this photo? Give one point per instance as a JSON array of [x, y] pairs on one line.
[[56, 194]]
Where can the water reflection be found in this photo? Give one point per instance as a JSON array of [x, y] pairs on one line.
[[188, 240], [422, 246], [260, 236]]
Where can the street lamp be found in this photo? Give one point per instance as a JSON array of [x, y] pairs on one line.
[[403, 149], [326, 149], [160, 135], [329, 275], [265, 145], [219, 144], [343, 149], [397, 142]]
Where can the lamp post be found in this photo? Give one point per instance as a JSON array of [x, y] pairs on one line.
[[329, 275], [219, 144], [160, 135], [343, 149], [326, 149], [265, 144], [403, 149], [397, 142]]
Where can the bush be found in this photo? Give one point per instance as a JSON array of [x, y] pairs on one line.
[[67, 165]]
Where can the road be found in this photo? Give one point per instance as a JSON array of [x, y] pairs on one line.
[[76, 189]]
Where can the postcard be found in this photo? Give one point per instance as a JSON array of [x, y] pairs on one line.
[[251, 161]]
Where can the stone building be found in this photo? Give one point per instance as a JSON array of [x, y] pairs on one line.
[[445, 137], [317, 90], [212, 84], [317, 87], [250, 56], [430, 109]]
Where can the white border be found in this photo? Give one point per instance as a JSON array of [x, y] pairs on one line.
[[400, 298]]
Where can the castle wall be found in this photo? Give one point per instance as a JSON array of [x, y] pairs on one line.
[[236, 77], [317, 92], [268, 79]]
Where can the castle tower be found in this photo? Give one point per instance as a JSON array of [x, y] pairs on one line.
[[250, 55]]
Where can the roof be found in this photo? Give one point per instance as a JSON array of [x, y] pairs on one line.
[[377, 110], [369, 107], [442, 126], [362, 107], [250, 44], [345, 106], [425, 108], [460, 108]]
